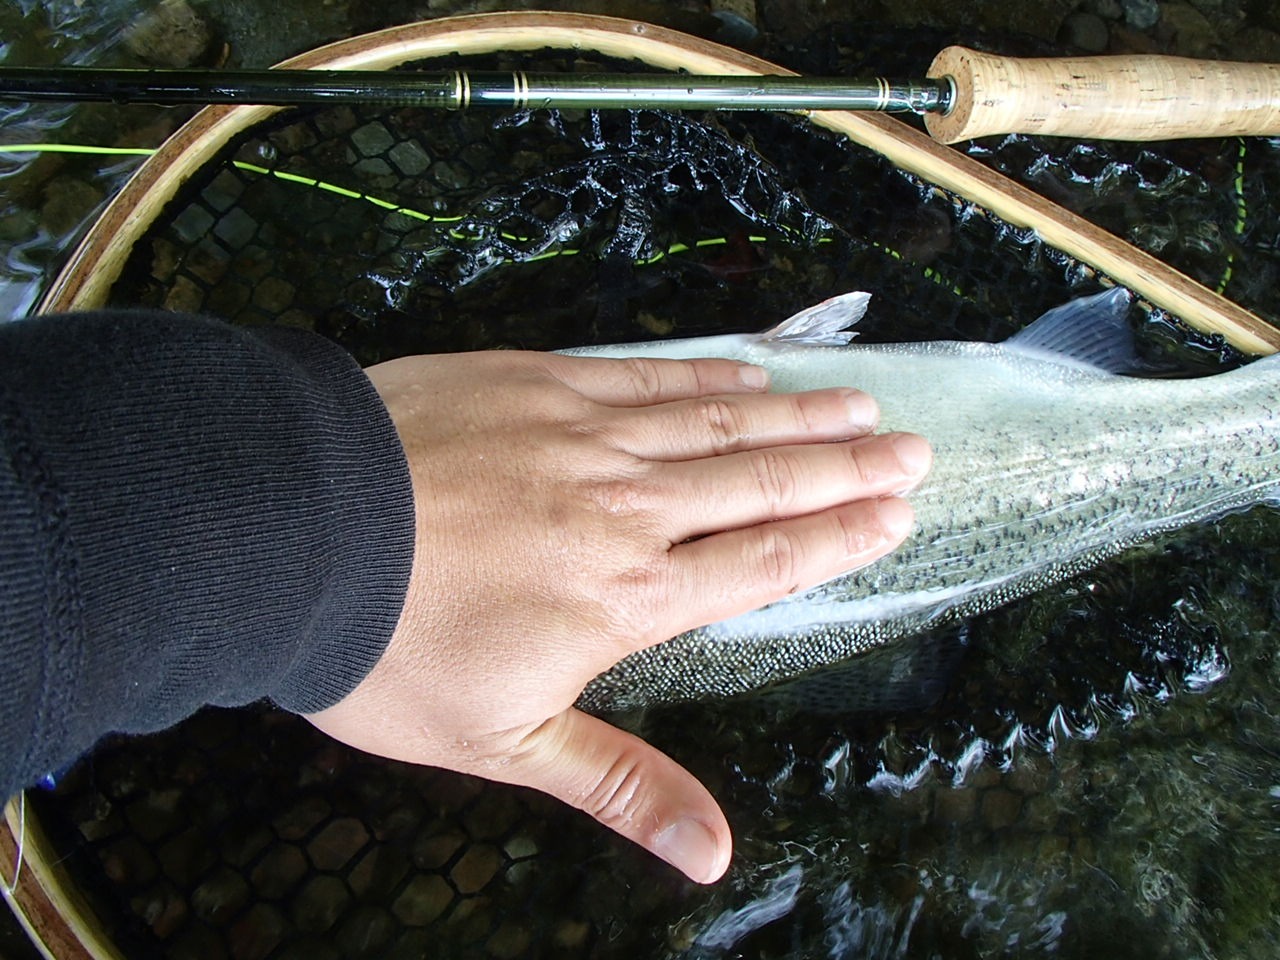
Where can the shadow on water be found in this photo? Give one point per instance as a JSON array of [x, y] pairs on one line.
[[1092, 771]]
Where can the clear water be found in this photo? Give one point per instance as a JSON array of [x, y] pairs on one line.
[[1098, 774], [46, 201], [1099, 780]]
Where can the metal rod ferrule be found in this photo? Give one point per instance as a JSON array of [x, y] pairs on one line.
[[462, 89]]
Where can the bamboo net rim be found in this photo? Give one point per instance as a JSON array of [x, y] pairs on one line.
[[54, 914]]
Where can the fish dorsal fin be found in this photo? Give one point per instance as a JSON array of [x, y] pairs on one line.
[[824, 324], [1090, 332]]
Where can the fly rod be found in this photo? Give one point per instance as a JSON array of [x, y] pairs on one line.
[[966, 94]]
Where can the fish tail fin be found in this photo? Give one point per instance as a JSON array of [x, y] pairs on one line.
[[825, 324]]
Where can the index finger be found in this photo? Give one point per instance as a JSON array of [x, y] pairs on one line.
[[643, 381]]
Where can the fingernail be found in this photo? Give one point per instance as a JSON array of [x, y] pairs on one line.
[[863, 411], [689, 847], [913, 453], [757, 378], [896, 517]]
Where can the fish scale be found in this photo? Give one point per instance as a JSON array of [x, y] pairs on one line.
[[1045, 463]]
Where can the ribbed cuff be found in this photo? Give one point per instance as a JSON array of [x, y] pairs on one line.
[[218, 514]]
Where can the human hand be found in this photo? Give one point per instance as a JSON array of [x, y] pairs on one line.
[[571, 510]]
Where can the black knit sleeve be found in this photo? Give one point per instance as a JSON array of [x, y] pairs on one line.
[[190, 513]]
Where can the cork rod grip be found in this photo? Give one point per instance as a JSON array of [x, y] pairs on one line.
[[1116, 97]]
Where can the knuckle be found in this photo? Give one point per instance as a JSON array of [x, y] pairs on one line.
[[644, 586], [621, 496], [701, 374], [590, 430], [801, 410], [860, 533], [781, 556], [618, 797], [520, 743], [607, 433], [725, 423], [646, 377], [777, 477], [861, 463]]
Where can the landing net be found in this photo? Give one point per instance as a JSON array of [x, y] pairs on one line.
[[247, 835]]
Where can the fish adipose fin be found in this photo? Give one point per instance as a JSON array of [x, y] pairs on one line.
[[1091, 332], [824, 324]]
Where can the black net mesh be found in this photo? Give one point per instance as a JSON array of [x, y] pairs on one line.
[[247, 835], [407, 230], [211, 843]]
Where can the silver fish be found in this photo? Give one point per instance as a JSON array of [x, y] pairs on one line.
[[1046, 461]]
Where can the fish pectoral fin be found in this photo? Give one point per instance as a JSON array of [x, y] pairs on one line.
[[825, 324], [1091, 332]]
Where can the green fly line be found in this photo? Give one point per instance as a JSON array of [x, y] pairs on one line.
[[1242, 214], [673, 249], [387, 205]]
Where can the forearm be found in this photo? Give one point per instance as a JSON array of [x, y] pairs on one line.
[[192, 514]]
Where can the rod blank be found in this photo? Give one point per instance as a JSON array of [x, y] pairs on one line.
[[462, 89], [968, 93]]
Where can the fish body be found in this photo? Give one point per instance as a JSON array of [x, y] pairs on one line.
[[1046, 461]]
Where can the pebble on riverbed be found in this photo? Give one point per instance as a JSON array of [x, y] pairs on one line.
[[172, 35], [68, 202], [1084, 31]]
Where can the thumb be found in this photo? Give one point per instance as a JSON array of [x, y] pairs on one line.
[[630, 787]]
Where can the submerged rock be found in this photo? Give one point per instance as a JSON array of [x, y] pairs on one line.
[[1141, 14], [1086, 31], [172, 35], [1193, 34], [68, 203]]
